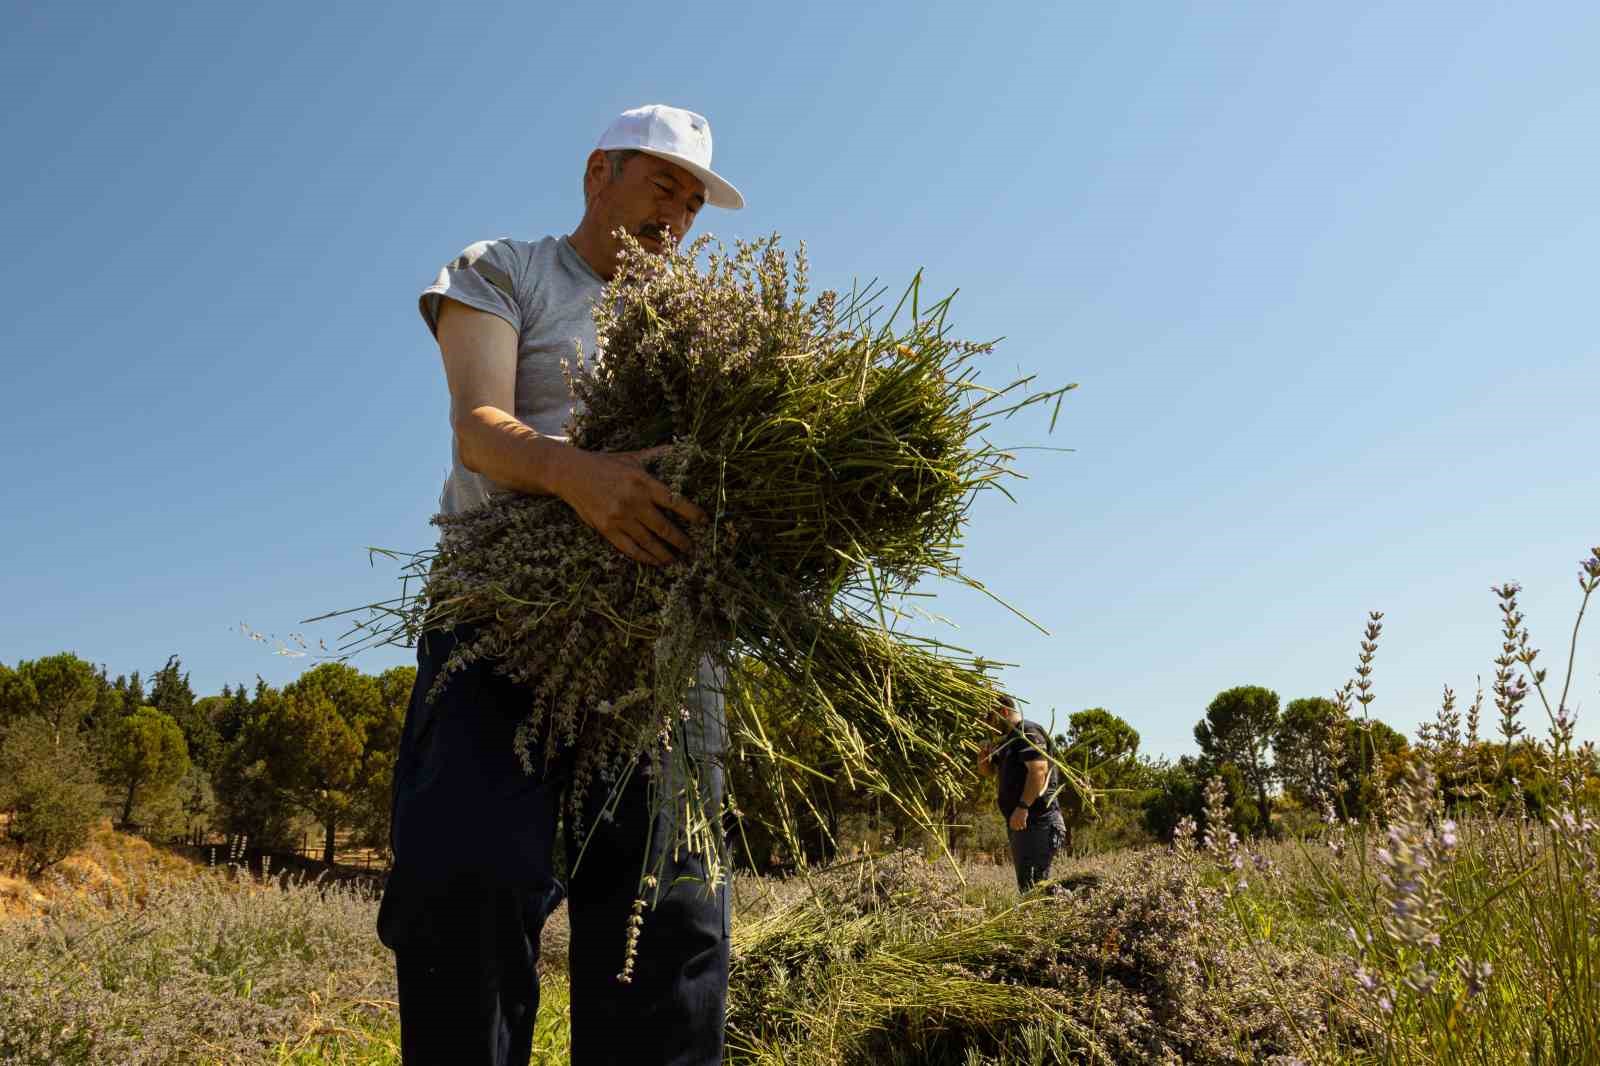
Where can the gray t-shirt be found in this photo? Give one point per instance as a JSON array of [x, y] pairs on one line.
[[546, 291]]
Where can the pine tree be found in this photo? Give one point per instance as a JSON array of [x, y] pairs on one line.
[[62, 689], [146, 758], [1238, 728], [131, 689], [235, 712], [171, 695]]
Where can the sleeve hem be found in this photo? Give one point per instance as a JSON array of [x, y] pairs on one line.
[[428, 306]]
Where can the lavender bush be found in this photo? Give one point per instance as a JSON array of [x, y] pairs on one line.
[[148, 969]]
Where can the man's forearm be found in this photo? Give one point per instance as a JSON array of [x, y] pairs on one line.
[[511, 454]]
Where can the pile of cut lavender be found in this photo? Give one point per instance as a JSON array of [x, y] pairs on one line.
[[837, 450]]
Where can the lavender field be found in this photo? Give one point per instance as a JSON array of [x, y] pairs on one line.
[[1442, 907], [1435, 941]]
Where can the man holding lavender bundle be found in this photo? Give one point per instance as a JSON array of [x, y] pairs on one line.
[[474, 879], [1027, 796]]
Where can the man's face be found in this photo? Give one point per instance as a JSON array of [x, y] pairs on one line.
[[651, 198], [1000, 716]]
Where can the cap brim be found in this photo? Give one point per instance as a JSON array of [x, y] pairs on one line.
[[719, 192]]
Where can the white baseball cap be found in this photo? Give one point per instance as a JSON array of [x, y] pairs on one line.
[[674, 134]]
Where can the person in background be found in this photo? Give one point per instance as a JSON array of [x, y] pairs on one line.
[[1026, 793]]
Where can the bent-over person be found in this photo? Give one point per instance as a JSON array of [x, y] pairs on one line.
[[1026, 791]]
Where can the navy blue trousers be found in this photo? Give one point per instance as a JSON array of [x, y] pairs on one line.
[[1033, 849], [473, 882]]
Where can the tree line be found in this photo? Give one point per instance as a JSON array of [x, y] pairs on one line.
[[1286, 770], [267, 763], [259, 763], [1290, 769]]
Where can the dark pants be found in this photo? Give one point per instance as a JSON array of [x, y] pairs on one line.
[[473, 882], [1033, 849]]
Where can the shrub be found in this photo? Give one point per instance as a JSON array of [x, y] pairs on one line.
[[47, 782]]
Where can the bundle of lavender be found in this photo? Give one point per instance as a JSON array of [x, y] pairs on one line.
[[837, 456]]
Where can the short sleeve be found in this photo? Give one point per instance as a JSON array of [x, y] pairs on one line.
[[483, 277], [1037, 746]]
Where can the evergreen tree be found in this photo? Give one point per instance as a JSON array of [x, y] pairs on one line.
[[195, 800], [322, 741], [131, 689], [146, 759], [107, 704], [233, 714], [170, 694], [375, 791], [249, 803], [1375, 757], [61, 689], [1175, 793], [17, 697], [1100, 744], [48, 785], [1305, 744], [1103, 748], [1238, 728]]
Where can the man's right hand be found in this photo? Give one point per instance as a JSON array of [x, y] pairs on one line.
[[614, 495]]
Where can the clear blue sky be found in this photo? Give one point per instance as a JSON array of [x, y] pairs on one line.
[[1325, 273]]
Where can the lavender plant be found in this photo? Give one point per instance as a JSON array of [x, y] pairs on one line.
[[149, 970], [893, 963], [1468, 930]]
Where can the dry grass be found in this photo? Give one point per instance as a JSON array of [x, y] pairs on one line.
[[133, 956], [111, 866], [1152, 956], [18, 896]]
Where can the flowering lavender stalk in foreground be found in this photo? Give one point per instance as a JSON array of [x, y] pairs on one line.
[[1510, 688], [1220, 842], [1404, 957]]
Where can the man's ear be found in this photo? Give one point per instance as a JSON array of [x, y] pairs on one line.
[[596, 174]]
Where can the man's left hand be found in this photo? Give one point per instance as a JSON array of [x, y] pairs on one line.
[[1019, 819]]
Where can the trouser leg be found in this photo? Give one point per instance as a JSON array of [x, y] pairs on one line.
[[472, 880], [672, 1010], [473, 1002], [1033, 850], [1019, 859]]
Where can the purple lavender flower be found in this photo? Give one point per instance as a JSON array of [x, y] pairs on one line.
[[1475, 976]]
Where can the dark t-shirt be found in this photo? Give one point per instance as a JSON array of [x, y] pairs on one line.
[[1027, 742]]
